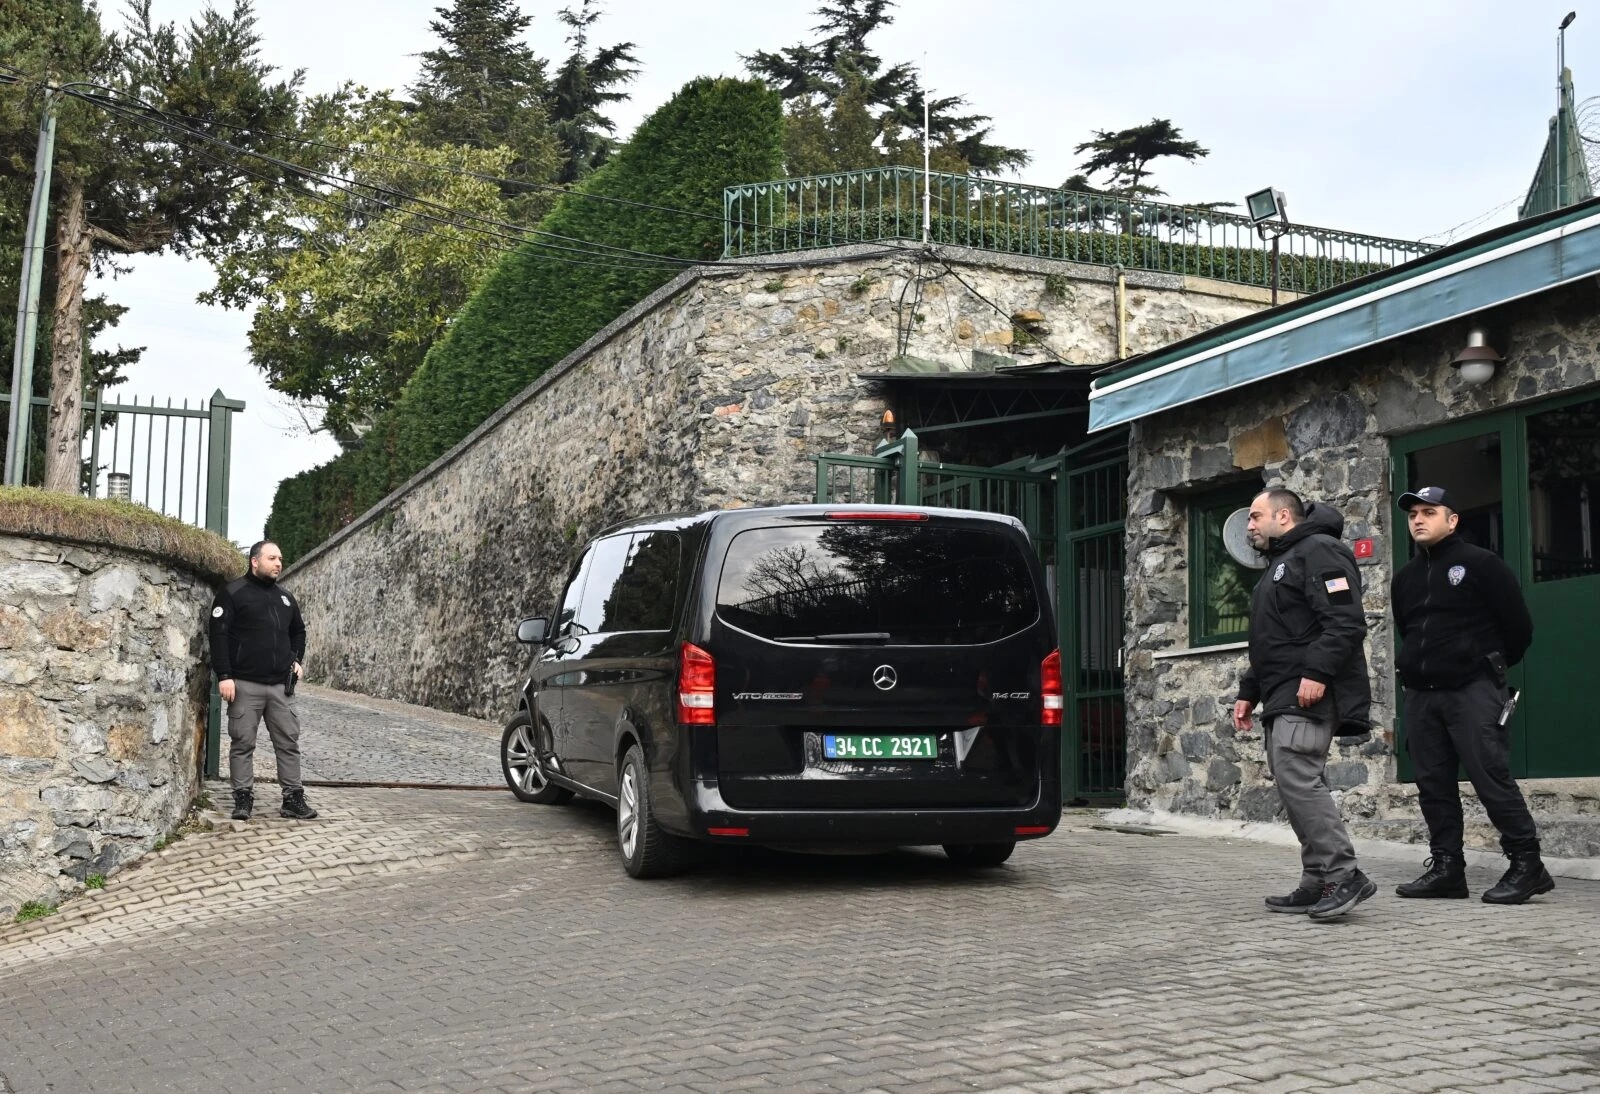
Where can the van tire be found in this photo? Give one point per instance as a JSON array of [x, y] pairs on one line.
[[519, 763], [647, 850], [979, 854]]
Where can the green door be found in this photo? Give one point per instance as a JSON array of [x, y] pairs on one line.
[[1528, 485], [1561, 450]]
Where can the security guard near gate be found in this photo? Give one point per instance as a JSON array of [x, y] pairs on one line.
[[1462, 622], [258, 639], [1308, 673]]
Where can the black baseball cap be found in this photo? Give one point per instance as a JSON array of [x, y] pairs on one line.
[[1427, 495]]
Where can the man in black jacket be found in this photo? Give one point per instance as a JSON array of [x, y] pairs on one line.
[[1462, 622], [1308, 674], [257, 642]]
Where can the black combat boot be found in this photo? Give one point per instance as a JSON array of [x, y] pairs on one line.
[[1526, 878], [1446, 877], [243, 802], [295, 806]]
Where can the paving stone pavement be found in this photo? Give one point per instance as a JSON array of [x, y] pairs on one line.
[[347, 738], [429, 940]]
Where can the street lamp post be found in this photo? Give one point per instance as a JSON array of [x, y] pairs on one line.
[[1265, 206]]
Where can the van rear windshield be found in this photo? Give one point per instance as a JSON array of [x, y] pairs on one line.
[[908, 584]]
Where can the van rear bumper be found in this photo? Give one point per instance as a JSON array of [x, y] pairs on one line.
[[845, 827]]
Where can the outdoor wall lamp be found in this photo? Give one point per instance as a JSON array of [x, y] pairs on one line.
[[1478, 360], [887, 423]]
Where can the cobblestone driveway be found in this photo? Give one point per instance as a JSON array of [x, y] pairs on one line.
[[346, 738], [457, 941]]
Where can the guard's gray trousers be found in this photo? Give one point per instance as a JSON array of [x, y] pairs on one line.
[[251, 704], [1297, 755]]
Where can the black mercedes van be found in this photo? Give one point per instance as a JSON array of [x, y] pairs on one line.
[[828, 677]]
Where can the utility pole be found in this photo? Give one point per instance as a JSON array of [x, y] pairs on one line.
[[1561, 102], [927, 173], [28, 300]]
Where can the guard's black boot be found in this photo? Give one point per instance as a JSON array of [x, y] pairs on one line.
[[295, 806], [1526, 878], [1298, 902], [1446, 877], [243, 802]]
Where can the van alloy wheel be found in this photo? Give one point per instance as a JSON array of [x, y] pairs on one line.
[[628, 812], [520, 746], [647, 849]]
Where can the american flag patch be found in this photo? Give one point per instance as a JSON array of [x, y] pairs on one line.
[[1338, 585]]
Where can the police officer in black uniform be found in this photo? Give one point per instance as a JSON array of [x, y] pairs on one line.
[[1462, 622]]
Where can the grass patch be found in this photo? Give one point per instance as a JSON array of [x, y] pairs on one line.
[[774, 286], [35, 909], [95, 881], [121, 525]]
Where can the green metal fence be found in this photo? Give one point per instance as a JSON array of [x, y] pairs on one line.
[[1074, 506], [885, 204], [173, 459]]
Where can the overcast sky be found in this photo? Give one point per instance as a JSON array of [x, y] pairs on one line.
[[1399, 118]]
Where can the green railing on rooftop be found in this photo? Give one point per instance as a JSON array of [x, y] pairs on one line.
[[885, 204]]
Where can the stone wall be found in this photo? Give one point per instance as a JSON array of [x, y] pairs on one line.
[[103, 693], [1322, 431], [714, 392]]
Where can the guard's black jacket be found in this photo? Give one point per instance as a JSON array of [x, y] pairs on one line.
[[1306, 620], [257, 633], [1454, 604]]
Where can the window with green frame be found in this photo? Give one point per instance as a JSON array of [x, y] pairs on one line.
[[1219, 587]]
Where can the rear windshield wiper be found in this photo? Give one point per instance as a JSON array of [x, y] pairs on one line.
[[870, 638]]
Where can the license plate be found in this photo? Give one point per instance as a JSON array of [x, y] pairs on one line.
[[904, 746]]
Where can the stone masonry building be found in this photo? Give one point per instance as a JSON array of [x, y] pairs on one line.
[[1350, 398]]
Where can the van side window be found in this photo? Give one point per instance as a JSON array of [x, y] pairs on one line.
[[646, 592], [607, 559], [569, 601]]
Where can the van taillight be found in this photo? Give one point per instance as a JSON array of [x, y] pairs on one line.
[[1050, 689], [697, 679]]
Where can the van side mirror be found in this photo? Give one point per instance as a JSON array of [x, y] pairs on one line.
[[530, 632]]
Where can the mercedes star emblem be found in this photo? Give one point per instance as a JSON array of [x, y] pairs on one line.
[[884, 677]]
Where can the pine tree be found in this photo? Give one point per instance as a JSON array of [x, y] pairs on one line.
[[1128, 153], [827, 83], [122, 185], [485, 87], [581, 88]]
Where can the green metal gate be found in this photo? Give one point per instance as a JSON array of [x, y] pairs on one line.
[[1074, 506]]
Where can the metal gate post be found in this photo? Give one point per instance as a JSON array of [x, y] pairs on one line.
[[219, 461], [910, 470], [219, 466]]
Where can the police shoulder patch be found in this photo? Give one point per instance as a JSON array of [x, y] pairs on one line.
[[1277, 575], [1457, 574], [286, 603], [216, 613]]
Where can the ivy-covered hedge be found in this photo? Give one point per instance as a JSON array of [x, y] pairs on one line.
[[1025, 234], [542, 302]]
